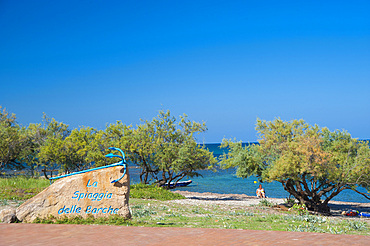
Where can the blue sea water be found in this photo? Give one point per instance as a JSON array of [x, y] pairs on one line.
[[226, 182]]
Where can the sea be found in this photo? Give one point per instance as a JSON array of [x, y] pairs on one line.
[[226, 182]]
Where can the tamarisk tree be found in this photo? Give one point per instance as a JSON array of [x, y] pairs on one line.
[[177, 154], [75, 152], [165, 148], [138, 144], [12, 140], [313, 164]]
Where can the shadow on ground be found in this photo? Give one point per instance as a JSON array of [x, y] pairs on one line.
[[336, 209]]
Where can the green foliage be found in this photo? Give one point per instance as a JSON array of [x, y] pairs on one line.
[[241, 213], [69, 152], [23, 182], [164, 148], [35, 136], [266, 203], [357, 225], [12, 140], [138, 144], [4, 202], [139, 213], [310, 227], [111, 220], [177, 154], [246, 159], [165, 213], [308, 218], [51, 144], [310, 162], [320, 224], [40, 139], [144, 191], [73, 150], [299, 209], [20, 146], [156, 213], [290, 201]]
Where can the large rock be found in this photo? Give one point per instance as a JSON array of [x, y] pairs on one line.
[[7, 215], [90, 193]]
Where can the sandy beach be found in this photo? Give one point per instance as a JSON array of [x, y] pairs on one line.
[[243, 200]]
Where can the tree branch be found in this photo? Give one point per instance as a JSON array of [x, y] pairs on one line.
[[366, 195]]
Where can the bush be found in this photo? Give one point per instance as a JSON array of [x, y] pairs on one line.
[[290, 201], [266, 203], [144, 191], [357, 225], [299, 209]]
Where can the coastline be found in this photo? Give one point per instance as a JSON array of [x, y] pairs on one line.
[[336, 207]]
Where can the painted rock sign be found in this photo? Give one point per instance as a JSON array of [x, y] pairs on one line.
[[99, 193]]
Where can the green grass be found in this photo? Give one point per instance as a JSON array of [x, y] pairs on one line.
[[153, 206], [253, 218], [112, 220], [21, 188], [266, 203], [154, 213], [152, 192]]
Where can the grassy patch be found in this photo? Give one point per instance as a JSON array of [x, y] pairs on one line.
[[152, 192], [21, 188], [253, 218], [266, 203], [154, 213], [168, 214], [162, 211], [111, 220]]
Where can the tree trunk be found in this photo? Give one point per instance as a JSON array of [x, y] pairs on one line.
[[44, 171], [313, 204], [318, 207]]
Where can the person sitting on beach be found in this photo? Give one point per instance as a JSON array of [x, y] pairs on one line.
[[260, 192]]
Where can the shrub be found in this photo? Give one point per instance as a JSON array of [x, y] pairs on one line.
[[290, 201], [299, 209], [266, 203], [357, 225], [143, 213]]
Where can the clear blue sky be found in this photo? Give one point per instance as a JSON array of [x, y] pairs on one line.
[[223, 62]]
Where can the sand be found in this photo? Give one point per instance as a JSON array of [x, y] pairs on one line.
[[243, 200]]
